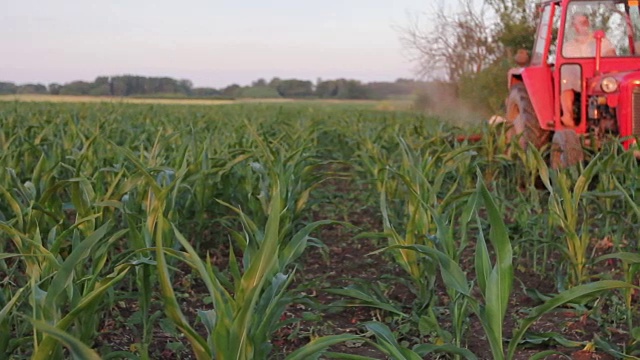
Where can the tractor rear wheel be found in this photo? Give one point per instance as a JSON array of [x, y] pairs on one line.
[[522, 119], [566, 149]]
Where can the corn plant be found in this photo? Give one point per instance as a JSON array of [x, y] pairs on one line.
[[432, 190], [615, 173], [493, 150], [431, 187], [495, 282], [387, 343], [78, 349], [246, 312], [103, 202], [566, 203], [65, 280]]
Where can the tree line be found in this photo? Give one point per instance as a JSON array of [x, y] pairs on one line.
[[142, 86], [471, 46]]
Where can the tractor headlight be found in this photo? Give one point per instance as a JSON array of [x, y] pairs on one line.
[[609, 85]]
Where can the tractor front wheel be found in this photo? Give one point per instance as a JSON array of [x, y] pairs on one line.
[[524, 125], [566, 149]]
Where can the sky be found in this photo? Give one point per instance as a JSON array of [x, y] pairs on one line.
[[213, 43]]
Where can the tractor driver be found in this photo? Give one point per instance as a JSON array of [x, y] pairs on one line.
[[582, 44]]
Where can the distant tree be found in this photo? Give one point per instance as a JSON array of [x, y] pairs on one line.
[[8, 88], [259, 83], [400, 87], [136, 85], [118, 86], [327, 89], [232, 91], [54, 88], [342, 89], [351, 89], [275, 82], [100, 90], [205, 92], [185, 86], [32, 89], [259, 92], [76, 88], [294, 88], [167, 85], [127, 85], [102, 80]]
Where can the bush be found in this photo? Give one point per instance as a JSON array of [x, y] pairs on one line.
[[486, 90]]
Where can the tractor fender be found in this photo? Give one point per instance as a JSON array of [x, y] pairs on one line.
[[538, 82]]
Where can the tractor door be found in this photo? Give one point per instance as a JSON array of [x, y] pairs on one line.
[[537, 76]]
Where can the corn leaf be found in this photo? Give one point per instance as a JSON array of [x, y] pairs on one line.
[[77, 348], [317, 346], [387, 342], [565, 297], [63, 278]]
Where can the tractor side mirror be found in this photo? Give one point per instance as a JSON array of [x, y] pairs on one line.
[[522, 57]]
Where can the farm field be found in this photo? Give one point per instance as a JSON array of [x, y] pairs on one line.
[[380, 104], [302, 230]]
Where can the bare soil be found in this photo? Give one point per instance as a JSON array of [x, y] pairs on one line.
[[347, 261]]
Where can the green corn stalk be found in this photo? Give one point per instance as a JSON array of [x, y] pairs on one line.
[[5, 312], [495, 282], [493, 149], [52, 272], [432, 190], [82, 300], [630, 265], [49, 342], [422, 274], [159, 196], [240, 325], [433, 185], [139, 240], [566, 201]]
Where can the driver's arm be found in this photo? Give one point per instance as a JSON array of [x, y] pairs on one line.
[[607, 48]]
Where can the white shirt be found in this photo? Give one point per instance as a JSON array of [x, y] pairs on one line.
[[585, 46]]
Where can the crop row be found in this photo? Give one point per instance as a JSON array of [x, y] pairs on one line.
[[104, 203]]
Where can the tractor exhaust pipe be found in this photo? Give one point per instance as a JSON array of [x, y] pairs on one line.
[[599, 35]]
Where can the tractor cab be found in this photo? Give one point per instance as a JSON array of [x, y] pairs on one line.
[[583, 77]]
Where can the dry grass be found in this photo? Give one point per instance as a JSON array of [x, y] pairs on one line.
[[97, 99], [386, 105]]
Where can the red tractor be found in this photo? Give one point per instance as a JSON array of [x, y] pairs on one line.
[[582, 78]]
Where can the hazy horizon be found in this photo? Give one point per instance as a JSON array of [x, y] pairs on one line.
[[211, 43]]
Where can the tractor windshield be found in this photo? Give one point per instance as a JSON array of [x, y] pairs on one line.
[[618, 21]]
